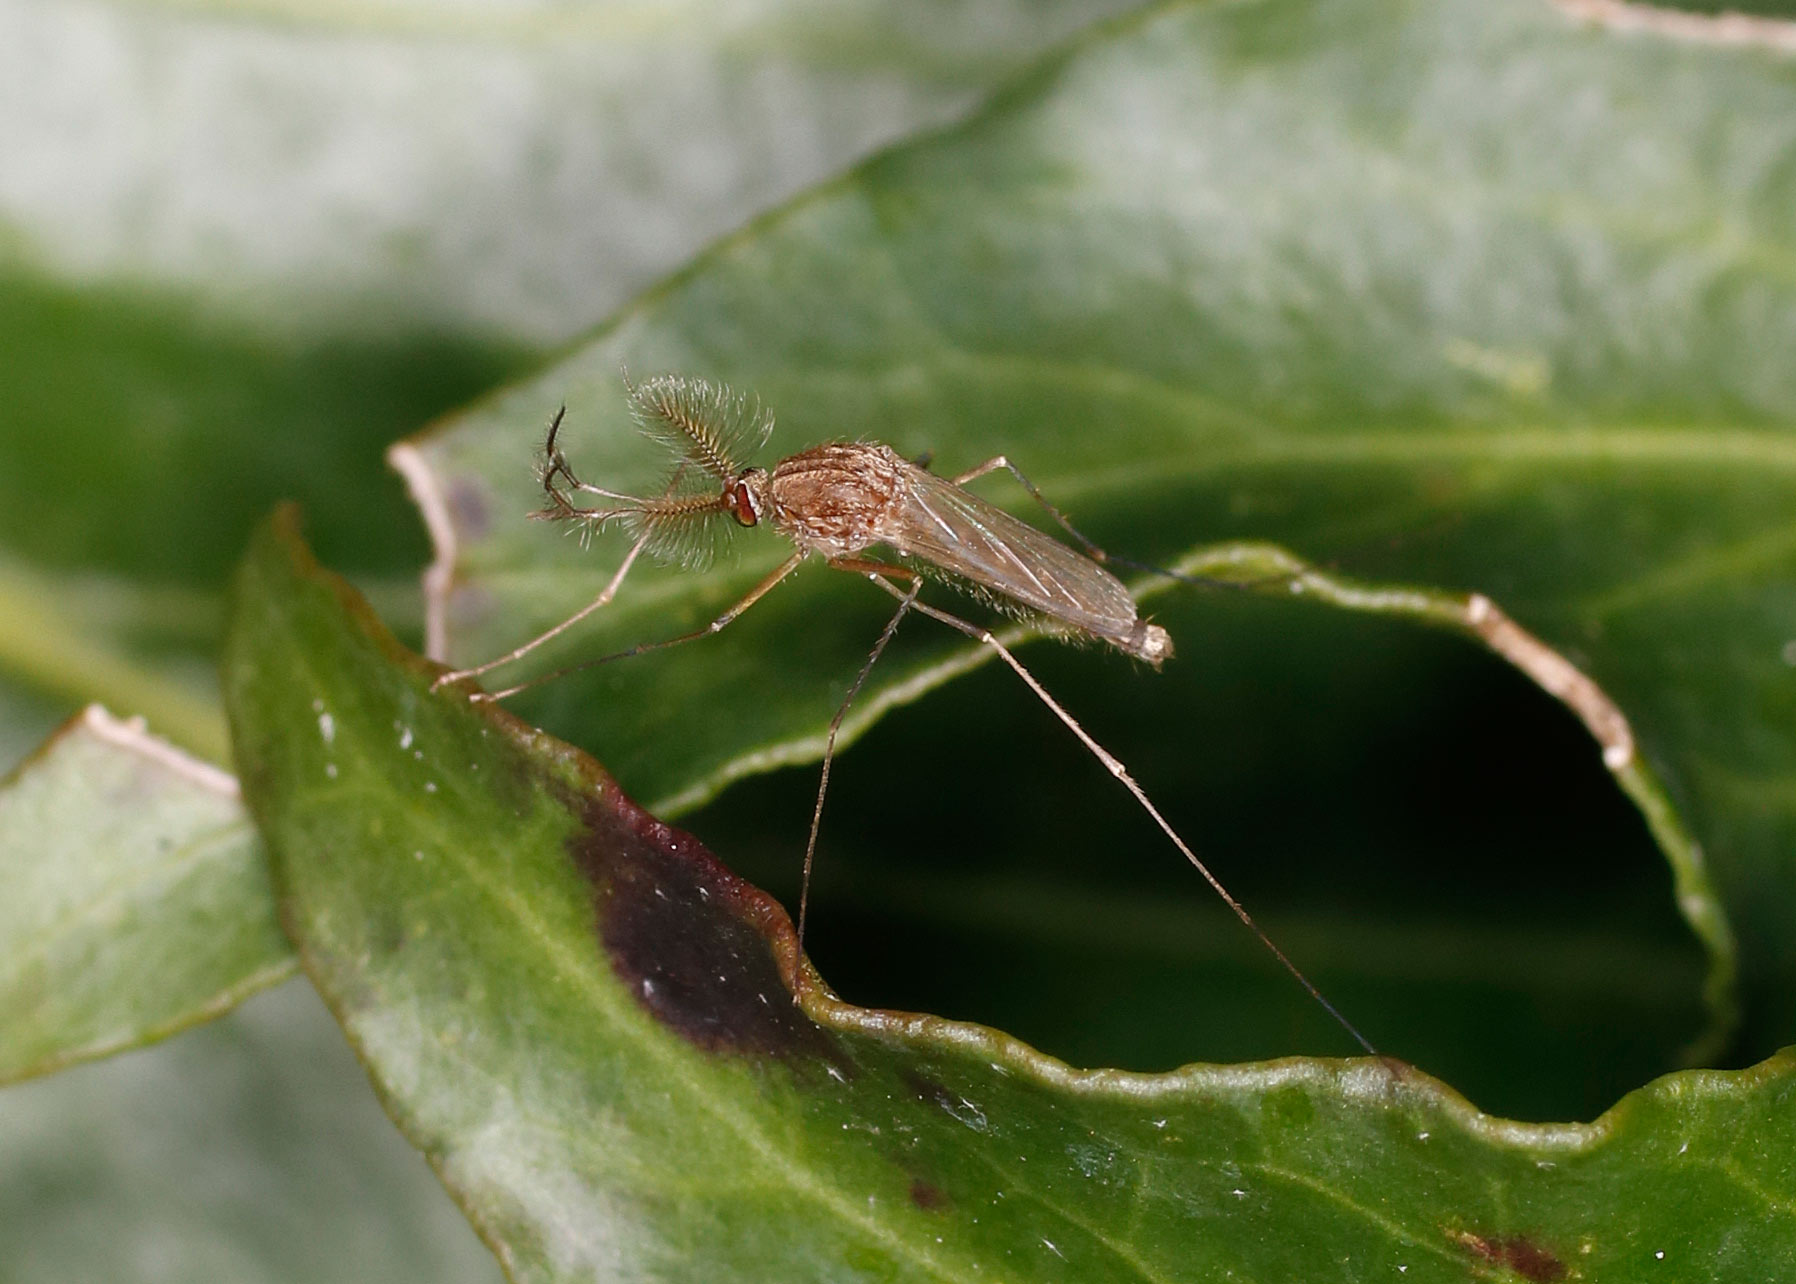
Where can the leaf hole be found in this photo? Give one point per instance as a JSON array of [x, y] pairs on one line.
[[1428, 834]]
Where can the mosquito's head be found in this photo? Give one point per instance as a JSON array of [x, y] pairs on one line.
[[743, 494]]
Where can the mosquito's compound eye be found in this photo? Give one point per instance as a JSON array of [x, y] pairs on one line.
[[742, 502]]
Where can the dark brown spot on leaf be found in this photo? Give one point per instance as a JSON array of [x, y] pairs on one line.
[[1519, 1253], [926, 1196], [926, 1089], [944, 1099], [694, 943]]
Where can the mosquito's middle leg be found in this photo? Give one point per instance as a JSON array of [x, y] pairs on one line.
[[1115, 767], [872, 570], [717, 625]]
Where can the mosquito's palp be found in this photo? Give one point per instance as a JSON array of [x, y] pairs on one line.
[[555, 467], [678, 525], [557, 478], [559, 507], [549, 449]]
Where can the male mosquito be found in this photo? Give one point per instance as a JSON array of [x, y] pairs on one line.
[[837, 501]]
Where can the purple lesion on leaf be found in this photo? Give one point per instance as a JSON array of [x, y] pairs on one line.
[[1523, 1254], [700, 948]]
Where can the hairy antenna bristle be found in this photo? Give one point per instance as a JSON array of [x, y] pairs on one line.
[[687, 529], [705, 424]]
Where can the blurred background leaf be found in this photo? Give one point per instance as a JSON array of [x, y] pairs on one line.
[[249, 1150], [1760, 8], [137, 902], [243, 247]]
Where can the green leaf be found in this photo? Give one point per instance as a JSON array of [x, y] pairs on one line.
[[584, 1022], [1352, 277], [137, 900]]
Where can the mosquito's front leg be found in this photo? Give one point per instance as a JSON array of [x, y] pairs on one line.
[[605, 596], [717, 625]]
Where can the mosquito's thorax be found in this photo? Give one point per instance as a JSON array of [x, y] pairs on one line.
[[837, 499]]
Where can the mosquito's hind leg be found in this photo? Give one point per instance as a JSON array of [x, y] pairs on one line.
[[1093, 550], [1115, 767]]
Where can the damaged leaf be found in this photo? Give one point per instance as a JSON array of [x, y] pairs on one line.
[[585, 1023]]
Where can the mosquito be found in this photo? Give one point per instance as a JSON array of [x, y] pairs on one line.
[[836, 502]]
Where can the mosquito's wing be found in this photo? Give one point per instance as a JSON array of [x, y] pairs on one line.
[[942, 523]]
